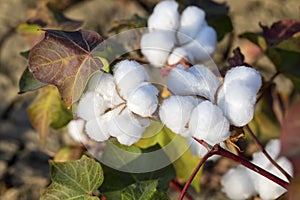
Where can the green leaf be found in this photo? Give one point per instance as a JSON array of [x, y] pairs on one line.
[[28, 82], [185, 164], [48, 109], [68, 153], [65, 60], [74, 179], [145, 190]]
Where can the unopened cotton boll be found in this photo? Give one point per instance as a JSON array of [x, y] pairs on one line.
[[192, 20], [208, 123], [182, 106], [156, 46], [243, 75], [237, 103], [127, 75], [143, 100], [127, 127], [91, 105], [75, 129], [237, 183], [164, 16]]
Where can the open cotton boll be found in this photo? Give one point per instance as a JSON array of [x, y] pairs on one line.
[[237, 103], [243, 75], [106, 87], [143, 100], [208, 123], [91, 105], [128, 75], [237, 183], [164, 16], [182, 106], [181, 82], [191, 21], [208, 83], [97, 129], [156, 47], [129, 125], [75, 129], [177, 54], [204, 45], [266, 188]]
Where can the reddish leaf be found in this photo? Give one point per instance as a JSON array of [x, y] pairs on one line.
[[65, 60], [237, 59], [280, 31]]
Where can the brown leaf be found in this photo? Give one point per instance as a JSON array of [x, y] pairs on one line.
[[65, 60], [68, 153], [281, 30]]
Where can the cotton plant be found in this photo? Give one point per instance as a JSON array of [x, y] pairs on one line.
[[207, 107], [118, 105], [248, 183], [173, 36]]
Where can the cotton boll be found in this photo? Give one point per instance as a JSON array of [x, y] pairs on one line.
[[208, 123], [164, 16], [182, 82], [177, 54], [208, 83], [106, 87], [156, 46], [128, 75], [204, 45], [237, 103], [182, 106], [244, 75], [143, 100], [266, 188], [192, 20], [96, 129], [237, 183], [75, 129], [127, 128], [91, 105]]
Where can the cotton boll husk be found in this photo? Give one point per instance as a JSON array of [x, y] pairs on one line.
[[182, 106], [208, 123], [91, 105], [191, 21], [237, 103], [75, 129], [164, 16], [156, 46], [204, 45], [126, 126], [208, 83], [243, 75], [237, 183], [128, 75], [177, 54], [181, 82], [143, 100], [266, 188]]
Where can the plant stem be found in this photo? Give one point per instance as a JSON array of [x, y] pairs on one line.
[[259, 145], [178, 187]]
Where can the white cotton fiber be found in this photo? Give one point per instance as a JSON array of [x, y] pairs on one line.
[[164, 16], [75, 129], [143, 100], [175, 113], [177, 54], [208, 123], [191, 22], [156, 46], [96, 129]]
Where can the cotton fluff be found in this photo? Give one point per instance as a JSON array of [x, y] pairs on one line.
[[113, 105], [182, 106], [208, 123], [198, 80], [75, 129], [237, 183], [238, 94], [189, 33]]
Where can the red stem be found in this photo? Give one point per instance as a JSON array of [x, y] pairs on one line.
[[178, 187], [259, 145]]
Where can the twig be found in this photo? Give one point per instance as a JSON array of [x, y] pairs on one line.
[[174, 184], [261, 148]]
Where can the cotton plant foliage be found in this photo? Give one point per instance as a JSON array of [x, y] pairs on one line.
[[173, 36], [118, 105], [250, 183]]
